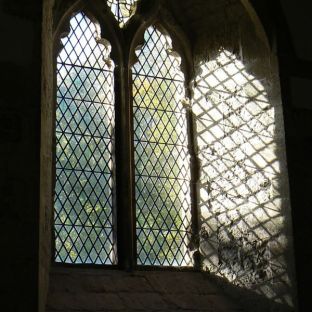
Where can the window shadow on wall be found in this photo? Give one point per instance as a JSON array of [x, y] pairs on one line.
[[242, 184]]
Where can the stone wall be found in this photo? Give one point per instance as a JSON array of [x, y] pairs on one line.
[[298, 116], [105, 290], [245, 213], [46, 152], [243, 191]]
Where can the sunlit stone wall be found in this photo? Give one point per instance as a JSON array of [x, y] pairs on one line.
[[243, 183]]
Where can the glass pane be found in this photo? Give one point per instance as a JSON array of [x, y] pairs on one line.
[[84, 223], [162, 164], [123, 10]]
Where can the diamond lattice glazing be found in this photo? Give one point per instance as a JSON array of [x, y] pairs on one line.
[[162, 173], [123, 10], [84, 223]]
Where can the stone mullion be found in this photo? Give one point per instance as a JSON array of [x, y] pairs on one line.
[[124, 166], [195, 171]]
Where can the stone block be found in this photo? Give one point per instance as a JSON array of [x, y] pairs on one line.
[[84, 301], [181, 283], [143, 301], [191, 301]]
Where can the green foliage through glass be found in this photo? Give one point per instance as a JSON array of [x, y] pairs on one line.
[[84, 223], [162, 172]]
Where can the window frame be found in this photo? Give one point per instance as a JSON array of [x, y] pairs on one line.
[[123, 40]]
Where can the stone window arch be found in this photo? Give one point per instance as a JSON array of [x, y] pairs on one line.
[[106, 89], [237, 225]]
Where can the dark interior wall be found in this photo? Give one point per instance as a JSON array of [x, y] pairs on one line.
[[295, 54], [288, 24], [20, 32]]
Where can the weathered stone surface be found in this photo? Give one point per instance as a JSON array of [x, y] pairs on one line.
[[177, 283], [243, 184], [109, 290], [144, 301]]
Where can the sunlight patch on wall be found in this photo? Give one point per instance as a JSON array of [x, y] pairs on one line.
[[240, 197]]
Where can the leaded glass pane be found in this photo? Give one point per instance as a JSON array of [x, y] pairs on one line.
[[162, 165], [84, 222], [123, 10]]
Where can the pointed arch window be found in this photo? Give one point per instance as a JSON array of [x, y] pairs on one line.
[[160, 148], [84, 130], [122, 192], [162, 164]]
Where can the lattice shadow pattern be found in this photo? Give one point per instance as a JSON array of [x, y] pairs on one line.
[[240, 200]]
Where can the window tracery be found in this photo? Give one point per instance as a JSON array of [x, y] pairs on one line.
[[123, 10], [86, 197]]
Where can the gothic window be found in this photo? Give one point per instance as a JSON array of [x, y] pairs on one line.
[[90, 205], [162, 173], [167, 141], [84, 180]]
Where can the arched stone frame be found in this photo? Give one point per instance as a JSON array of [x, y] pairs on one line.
[[60, 17], [105, 27], [246, 53]]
